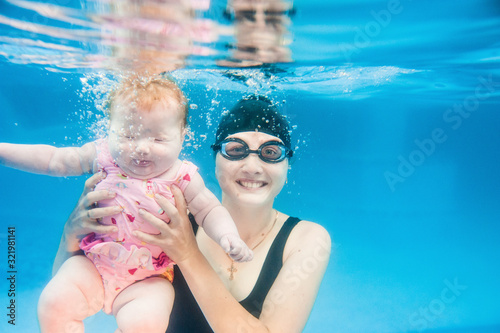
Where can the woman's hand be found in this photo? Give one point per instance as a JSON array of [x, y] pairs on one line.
[[85, 217], [176, 237]]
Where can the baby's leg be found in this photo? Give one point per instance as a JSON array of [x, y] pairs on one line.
[[74, 293], [144, 306]]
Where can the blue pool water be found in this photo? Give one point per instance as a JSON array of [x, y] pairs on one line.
[[396, 108]]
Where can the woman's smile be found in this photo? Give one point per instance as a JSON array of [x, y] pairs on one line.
[[251, 184]]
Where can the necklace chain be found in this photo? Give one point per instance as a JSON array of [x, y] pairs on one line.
[[233, 269], [268, 232]]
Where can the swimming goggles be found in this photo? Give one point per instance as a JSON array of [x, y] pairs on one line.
[[236, 149]]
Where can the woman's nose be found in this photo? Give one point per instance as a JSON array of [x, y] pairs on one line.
[[252, 163]]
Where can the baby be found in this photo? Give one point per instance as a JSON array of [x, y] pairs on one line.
[[141, 159]]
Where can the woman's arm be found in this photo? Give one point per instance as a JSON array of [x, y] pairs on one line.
[[215, 219], [290, 300], [48, 160], [84, 220]]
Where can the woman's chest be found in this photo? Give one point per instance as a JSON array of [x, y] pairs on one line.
[[239, 278]]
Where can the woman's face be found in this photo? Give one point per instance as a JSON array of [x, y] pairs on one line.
[[251, 181]]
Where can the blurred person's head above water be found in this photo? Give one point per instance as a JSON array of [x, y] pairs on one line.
[[261, 32]]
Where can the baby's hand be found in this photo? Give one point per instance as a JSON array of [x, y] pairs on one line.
[[236, 248]]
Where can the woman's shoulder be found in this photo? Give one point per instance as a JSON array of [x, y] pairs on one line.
[[308, 236], [310, 229]]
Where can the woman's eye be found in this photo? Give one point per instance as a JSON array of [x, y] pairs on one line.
[[236, 150], [270, 151]]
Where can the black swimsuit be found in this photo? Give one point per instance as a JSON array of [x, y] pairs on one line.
[[186, 315]]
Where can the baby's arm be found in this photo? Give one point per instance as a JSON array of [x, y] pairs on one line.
[[49, 160], [215, 219]]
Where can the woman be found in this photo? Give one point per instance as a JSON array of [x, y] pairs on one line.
[[275, 291]]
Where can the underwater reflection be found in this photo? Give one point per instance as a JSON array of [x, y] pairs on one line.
[[150, 37], [145, 37], [126, 35], [261, 32]]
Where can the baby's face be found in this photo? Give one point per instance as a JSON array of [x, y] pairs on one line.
[[146, 144]]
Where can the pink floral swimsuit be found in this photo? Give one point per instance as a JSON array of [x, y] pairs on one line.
[[120, 258]]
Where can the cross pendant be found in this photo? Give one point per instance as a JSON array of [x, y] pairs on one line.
[[232, 270]]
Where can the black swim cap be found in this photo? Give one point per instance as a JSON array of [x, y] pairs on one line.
[[254, 113]]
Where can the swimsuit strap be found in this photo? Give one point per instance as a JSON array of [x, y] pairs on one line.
[[270, 269], [187, 316]]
